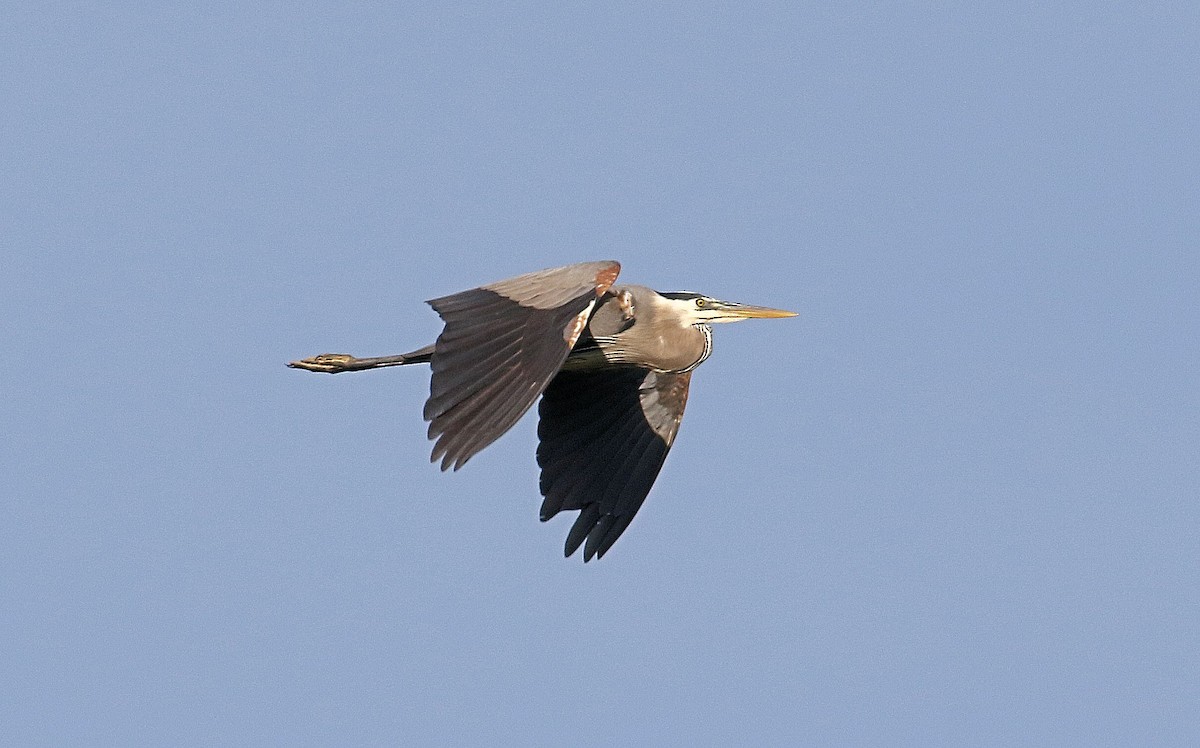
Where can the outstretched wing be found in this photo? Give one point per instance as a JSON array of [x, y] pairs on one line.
[[501, 346], [604, 436]]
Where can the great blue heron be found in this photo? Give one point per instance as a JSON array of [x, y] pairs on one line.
[[612, 365]]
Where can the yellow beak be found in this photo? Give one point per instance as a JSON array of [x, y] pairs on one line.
[[755, 312]]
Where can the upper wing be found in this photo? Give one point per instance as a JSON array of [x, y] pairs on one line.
[[604, 436], [501, 345]]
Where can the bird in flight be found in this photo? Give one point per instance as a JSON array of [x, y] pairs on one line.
[[612, 365]]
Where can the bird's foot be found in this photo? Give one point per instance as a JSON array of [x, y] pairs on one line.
[[329, 363]]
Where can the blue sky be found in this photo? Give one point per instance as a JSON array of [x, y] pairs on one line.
[[954, 502]]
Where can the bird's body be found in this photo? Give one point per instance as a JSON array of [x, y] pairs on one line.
[[612, 365], [604, 341]]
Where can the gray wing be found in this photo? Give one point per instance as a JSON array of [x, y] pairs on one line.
[[501, 346], [604, 436]]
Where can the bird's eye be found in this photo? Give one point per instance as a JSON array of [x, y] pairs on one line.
[[701, 303]]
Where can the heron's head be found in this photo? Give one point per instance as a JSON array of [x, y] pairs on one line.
[[698, 309]]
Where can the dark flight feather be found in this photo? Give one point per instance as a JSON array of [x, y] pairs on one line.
[[501, 346], [604, 435]]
